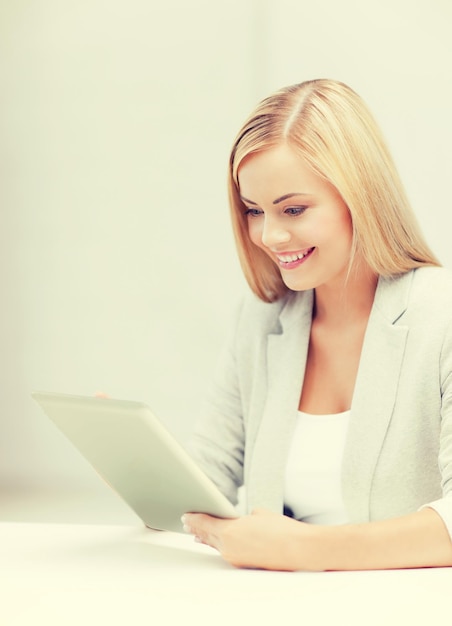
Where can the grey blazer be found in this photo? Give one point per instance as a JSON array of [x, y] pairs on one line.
[[398, 454]]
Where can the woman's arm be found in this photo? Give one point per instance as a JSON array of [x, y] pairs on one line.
[[271, 541], [218, 440]]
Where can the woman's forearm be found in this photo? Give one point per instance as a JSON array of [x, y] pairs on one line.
[[416, 540], [271, 541]]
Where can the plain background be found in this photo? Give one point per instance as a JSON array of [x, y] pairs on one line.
[[118, 270]]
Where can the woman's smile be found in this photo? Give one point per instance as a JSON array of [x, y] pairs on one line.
[[291, 260]]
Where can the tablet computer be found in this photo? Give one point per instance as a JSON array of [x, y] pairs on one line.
[[135, 454]]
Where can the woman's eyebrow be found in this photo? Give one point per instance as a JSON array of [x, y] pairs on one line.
[[287, 196], [278, 200]]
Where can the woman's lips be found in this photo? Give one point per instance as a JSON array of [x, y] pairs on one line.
[[291, 260]]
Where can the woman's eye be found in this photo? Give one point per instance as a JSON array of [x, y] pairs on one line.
[[250, 212], [295, 210]]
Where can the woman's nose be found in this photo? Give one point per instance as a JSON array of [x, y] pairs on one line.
[[274, 234]]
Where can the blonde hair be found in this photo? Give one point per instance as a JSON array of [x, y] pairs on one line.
[[331, 128]]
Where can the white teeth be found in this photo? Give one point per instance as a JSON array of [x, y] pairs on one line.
[[287, 258]]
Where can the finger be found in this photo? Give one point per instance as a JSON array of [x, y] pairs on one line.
[[205, 527], [196, 521]]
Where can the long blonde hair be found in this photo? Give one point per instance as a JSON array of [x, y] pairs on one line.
[[331, 128]]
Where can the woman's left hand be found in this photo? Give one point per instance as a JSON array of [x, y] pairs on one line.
[[263, 540]]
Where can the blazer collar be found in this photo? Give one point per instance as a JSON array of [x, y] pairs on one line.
[[392, 295]]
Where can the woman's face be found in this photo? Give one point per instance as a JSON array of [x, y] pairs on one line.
[[297, 218]]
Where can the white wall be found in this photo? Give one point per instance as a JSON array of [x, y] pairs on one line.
[[117, 265]]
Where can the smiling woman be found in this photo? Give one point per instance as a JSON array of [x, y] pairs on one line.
[[332, 403]]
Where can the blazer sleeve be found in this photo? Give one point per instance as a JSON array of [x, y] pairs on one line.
[[443, 506], [218, 440]]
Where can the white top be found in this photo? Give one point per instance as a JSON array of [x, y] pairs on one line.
[[313, 472]]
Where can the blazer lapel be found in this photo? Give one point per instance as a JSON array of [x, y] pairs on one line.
[[286, 360], [375, 393]]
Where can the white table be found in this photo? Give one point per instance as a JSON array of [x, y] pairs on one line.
[[89, 574]]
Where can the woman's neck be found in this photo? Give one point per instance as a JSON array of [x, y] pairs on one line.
[[346, 302]]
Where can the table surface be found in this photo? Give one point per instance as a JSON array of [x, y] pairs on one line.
[[74, 574]]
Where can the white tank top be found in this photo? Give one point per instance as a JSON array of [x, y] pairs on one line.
[[313, 473]]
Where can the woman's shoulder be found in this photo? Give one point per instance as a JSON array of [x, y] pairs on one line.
[[429, 294], [417, 296], [432, 285], [437, 274], [266, 317]]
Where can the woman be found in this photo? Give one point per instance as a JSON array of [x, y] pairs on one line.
[[333, 399]]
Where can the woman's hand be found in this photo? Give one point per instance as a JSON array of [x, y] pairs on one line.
[[263, 540]]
